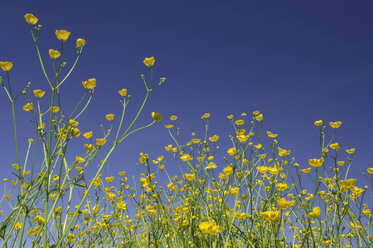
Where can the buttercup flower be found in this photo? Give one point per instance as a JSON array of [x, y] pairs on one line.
[[157, 116], [214, 138], [209, 228], [318, 123], [350, 151], [79, 159], [271, 135], [259, 117], [28, 107], [55, 109], [336, 124], [370, 170], [281, 186], [232, 151], [109, 117], [62, 35], [347, 184], [54, 53], [149, 62], [80, 42], [73, 123], [315, 213], [6, 66], [316, 162], [334, 146], [87, 135], [90, 84], [271, 216], [122, 92], [283, 203], [189, 177], [100, 142], [39, 93], [31, 19]]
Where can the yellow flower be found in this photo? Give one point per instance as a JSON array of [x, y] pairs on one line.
[[189, 177], [262, 169], [230, 117], [15, 166], [347, 184], [41, 126], [351, 151], [306, 171], [214, 138], [283, 203], [239, 122], [228, 170], [6, 66], [55, 109], [356, 192], [157, 116], [18, 225], [28, 107], [73, 123], [211, 165], [271, 135], [316, 162], [87, 135], [281, 186], [31, 19], [79, 159], [149, 62], [186, 157], [209, 228], [259, 117], [256, 112], [367, 212], [340, 163], [232, 151], [173, 118], [243, 138], [318, 123], [283, 152], [315, 213], [54, 53], [273, 170], [39, 93], [334, 146], [109, 117], [90, 84], [234, 191], [122, 92], [168, 126], [205, 116], [336, 124], [80, 42], [109, 179], [100, 142], [75, 132], [271, 216], [62, 35], [89, 147], [370, 170]]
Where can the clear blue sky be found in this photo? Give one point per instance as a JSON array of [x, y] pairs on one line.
[[296, 61]]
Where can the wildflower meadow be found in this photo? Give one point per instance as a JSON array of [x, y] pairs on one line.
[[248, 193]]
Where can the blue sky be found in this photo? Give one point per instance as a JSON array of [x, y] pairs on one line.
[[295, 61]]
